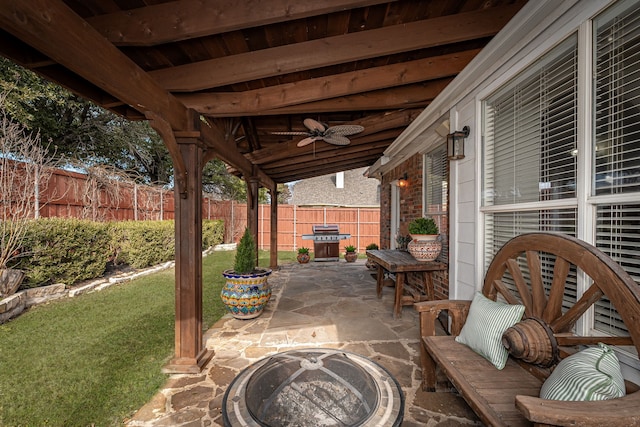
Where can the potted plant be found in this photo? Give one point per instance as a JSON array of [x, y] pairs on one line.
[[303, 255], [424, 245], [350, 254], [246, 291], [370, 264]]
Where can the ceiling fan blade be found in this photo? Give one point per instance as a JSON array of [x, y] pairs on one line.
[[314, 125], [344, 129], [308, 140], [336, 139], [290, 133]]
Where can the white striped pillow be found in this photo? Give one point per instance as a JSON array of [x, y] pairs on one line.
[[592, 374], [485, 324]]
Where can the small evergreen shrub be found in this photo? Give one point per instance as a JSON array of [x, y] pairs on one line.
[[423, 226], [245, 261]]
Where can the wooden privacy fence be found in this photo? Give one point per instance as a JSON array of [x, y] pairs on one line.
[[293, 221], [98, 197]]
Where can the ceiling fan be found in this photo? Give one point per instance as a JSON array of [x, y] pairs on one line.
[[320, 131]]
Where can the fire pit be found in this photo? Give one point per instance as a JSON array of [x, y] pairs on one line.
[[314, 387]]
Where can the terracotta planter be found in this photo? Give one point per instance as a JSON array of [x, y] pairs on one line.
[[246, 295], [304, 258], [351, 256], [425, 247]]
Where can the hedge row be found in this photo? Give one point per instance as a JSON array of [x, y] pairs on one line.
[[60, 250]]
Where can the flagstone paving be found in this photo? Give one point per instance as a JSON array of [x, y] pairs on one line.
[[315, 305]]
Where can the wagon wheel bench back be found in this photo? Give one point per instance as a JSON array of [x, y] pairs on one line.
[[509, 397]]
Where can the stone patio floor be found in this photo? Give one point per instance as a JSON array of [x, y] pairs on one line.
[[321, 305]]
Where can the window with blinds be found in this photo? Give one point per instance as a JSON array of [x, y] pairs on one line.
[[530, 156], [436, 185], [617, 100], [529, 126], [530, 153], [616, 146]]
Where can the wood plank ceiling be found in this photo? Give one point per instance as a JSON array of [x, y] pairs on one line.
[[258, 67]]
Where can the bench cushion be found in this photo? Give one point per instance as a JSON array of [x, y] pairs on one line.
[[489, 392], [486, 322], [592, 374]]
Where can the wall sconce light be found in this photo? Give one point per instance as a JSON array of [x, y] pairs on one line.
[[402, 182], [455, 143]]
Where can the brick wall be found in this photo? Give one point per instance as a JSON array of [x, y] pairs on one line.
[[410, 208]]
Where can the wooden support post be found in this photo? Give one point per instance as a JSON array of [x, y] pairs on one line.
[[190, 353], [253, 187], [273, 244]]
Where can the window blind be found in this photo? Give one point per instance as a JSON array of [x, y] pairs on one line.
[[617, 100], [617, 235], [529, 128], [500, 227], [437, 191]]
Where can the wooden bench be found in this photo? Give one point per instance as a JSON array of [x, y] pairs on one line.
[[509, 397]]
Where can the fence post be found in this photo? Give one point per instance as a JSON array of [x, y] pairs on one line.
[[358, 228], [36, 191], [135, 202], [295, 228], [161, 204], [233, 221]]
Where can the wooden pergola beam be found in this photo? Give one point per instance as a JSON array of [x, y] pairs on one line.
[[187, 19], [334, 50], [350, 83], [88, 54]]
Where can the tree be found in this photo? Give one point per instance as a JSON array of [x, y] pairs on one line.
[[24, 171], [75, 128]]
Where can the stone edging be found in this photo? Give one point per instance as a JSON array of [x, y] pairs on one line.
[[14, 305]]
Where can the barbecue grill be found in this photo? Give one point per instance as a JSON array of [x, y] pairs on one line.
[[326, 241]]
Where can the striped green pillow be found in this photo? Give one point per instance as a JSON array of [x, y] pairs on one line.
[[485, 324], [592, 374]]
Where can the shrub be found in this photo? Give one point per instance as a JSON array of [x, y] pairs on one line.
[[245, 261], [64, 250], [142, 244], [372, 246], [212, 233], [423, 226], [350, 248]]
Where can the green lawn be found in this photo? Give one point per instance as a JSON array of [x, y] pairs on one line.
[[95, 359]]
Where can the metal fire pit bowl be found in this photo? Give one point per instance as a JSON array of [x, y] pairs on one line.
[[314, 388]]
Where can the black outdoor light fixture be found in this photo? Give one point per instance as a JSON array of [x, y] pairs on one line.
[[403, 181], [455, 143]]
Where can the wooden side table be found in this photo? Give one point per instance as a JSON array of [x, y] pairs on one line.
[[400, 263]]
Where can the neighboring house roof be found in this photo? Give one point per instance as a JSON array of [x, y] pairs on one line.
[[357, 190]]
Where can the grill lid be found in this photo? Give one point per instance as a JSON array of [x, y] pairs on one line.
[[314, 387], [326, 229]]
